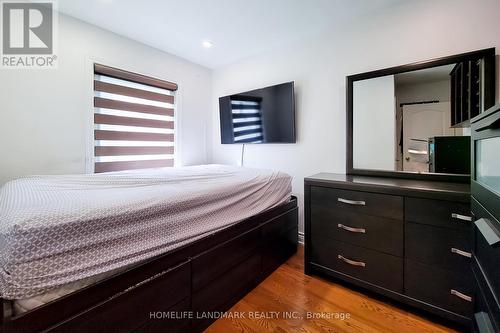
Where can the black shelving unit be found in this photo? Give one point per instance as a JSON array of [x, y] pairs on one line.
[[472, 89]]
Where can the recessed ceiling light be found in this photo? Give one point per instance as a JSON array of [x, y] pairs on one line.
[[207, 44]]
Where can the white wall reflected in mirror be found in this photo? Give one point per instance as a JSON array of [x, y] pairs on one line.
[[373, 123]]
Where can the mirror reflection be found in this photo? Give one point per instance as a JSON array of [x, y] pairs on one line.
[[415, 121]]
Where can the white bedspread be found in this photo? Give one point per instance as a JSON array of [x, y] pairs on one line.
[[56, 230]]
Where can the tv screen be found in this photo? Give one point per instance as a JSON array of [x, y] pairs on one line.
[[264, 115]]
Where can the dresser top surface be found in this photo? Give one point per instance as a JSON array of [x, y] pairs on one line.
[[392, 185]]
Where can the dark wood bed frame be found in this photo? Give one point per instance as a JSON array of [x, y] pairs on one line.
[[179, 291]]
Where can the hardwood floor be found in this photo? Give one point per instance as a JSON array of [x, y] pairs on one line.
[[289, 291]]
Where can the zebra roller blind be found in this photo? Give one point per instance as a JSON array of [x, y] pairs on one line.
[[133, 120]]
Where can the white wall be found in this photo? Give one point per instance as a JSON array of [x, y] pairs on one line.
[[410, 32], [44, 115], [374, 115], [420, 92]]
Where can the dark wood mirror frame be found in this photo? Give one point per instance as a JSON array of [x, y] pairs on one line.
[[489, 94]]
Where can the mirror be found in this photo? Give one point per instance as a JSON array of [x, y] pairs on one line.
[[415, 119]]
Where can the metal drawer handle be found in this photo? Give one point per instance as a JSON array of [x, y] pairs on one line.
[[489, 231], [351, 229], [352, 202], [351, 262], [461, 217], [460, 252], [460, 295]]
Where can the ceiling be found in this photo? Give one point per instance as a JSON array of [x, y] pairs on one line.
[[237, 28], [428, 75]]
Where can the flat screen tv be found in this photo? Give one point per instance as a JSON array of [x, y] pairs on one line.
[[264, 115]]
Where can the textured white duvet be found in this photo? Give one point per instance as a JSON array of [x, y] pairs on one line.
[[55, 230]]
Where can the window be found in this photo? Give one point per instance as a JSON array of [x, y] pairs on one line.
[[133, 120], [247, 120]]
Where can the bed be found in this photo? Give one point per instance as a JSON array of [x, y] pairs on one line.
[[78, 252]]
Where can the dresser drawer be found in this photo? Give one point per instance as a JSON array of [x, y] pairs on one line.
[[372, 232], [131, 309], [440, 213], [486, 308], [206, 267], [279, 239], [446, 289], [383, 205], [489, 258], [487, 255], [178, 322], [441, 247], [484, 320], [381, 269], [222, 291]]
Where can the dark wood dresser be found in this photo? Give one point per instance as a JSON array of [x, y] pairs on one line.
[[409, 240]]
